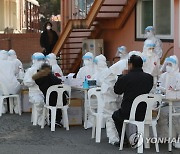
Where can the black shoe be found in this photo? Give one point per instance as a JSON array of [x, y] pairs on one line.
[[117, 144]]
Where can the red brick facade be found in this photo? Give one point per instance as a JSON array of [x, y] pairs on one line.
[[24, 44]]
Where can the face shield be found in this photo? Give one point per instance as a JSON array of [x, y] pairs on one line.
[[122, 52], [88, 59], [51, 59], [171, 65], [38, 59], [149, 47]]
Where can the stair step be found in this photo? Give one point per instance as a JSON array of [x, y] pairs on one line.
[[73, 48], [83, 30], [113, 4], [77, 36], [67, 58], [110, 11], [73, 42], [71, 53]]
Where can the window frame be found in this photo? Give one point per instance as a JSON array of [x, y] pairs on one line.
[[138, 24]]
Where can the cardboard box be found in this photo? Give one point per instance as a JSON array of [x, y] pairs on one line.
[[25, 104], [75, 111]]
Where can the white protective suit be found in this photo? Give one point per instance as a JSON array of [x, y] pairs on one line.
[[88, 69], [152, 61], [35, 95], [7, 78], [106, 79], [99, 65], [170, 84], [150, 35], [18, 64], [122, 64], [51, 59]]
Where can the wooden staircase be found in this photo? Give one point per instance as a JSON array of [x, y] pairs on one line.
[[69, 45]]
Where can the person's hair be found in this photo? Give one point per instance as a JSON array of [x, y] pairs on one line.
[[45, 65], [48, 22], [136, 61]]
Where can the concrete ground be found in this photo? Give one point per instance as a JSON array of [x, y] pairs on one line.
[[19, 136]]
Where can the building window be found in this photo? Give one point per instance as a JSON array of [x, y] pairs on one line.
[[157, 13]]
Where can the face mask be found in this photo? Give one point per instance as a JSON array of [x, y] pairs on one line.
[[168, 69], [87, 62], [48, 27], [149, 34], [149, 53]]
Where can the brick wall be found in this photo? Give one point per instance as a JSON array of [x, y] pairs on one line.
[[24, 44]]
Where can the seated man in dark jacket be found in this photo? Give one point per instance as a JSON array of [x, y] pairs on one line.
[[44, 78], [132, 83]]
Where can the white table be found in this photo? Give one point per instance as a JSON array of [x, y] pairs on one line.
[[170, 102], [85, 102]]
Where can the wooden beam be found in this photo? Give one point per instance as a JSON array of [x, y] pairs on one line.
[[63, 37], [125, 14], [93, 12]]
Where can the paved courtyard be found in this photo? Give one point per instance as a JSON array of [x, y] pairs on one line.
[[19, 136]]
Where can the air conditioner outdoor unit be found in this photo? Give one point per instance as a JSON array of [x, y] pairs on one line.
[[93, 45]]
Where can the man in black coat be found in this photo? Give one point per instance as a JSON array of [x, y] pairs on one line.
[[48, 38], [44, 78], [132, 83]]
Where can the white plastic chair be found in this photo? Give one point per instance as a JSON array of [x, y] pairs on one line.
[[96, 112], [11, 99], [59, 105], [143, 126]]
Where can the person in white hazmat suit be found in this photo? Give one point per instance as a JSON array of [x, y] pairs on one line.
[[150, 35], [169, 83], [119, 66], [35, 95], [51, 59], [88, 69], [8, 80], [106, 80], [18, 64], [152, 61]]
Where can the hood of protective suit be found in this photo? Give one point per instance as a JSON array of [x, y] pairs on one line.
[[88, 59], [149, 32], [3, 55], [148, 49], [38, 59], [12, 55], [100, 61], [51, 58], [175, 64], [122, 52]]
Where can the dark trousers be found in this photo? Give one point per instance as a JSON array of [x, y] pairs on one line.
[[119, 118]]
